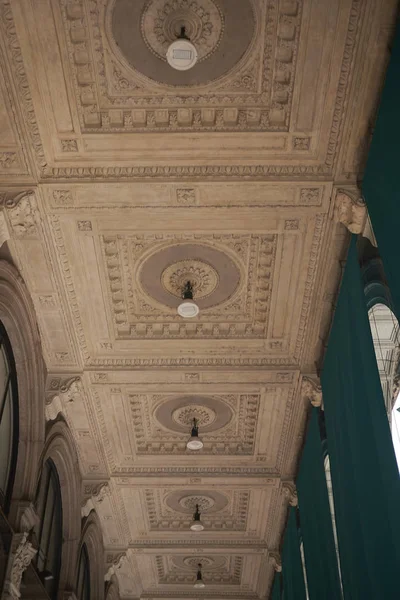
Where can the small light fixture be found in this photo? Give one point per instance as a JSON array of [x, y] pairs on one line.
[[196, 524], [182, 54], [199, 580], [194, 442], [188, 309]]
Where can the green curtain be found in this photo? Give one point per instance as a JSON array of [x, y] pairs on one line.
[[365, 479], [292, 568], [276, 589], [381, 179], [315, 518]]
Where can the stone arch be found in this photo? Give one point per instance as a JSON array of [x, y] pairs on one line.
[[60, 448], [93, 538], [18, 316]]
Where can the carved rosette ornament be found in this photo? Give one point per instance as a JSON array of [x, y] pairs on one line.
[[276, 561], [311, 391], [290, 492], [162, 22], [20, 557], [351, 211]]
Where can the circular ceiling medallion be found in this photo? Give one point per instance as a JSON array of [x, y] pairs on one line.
[[162, 22], [176, 414], [202, 276], [222, 31], [204, 503], [184, 415], [185, 502], [213, 274], [207, 562]]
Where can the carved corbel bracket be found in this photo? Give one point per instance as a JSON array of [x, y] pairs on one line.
[[311, 390], [22, 212], [21, 554], [27, 517], [60, 393], [115, 567], [350, 210], [99, 493], [290, 492], [276, 561]]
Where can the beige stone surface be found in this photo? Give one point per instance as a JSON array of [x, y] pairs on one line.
[[118, 179]]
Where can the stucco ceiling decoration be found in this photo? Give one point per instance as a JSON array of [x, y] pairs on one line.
[[214, 275], [216, 570], [162, 22], [141, 32], [209, 502], [202, 276], [176, 414], [226, 434]]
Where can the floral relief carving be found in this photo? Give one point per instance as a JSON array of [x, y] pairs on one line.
[[8, 160], [69, 145]]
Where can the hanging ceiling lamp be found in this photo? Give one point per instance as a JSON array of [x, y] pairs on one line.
[[188, 309], [182, 54], [194, 442], [199, 580], [196, 524]]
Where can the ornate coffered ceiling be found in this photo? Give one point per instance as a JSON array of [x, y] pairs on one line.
[[120, 180]]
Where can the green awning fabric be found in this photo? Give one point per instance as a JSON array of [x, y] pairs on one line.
[[276, 589], [365, 479], [316, 521], [381, 179], [292, 568]]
